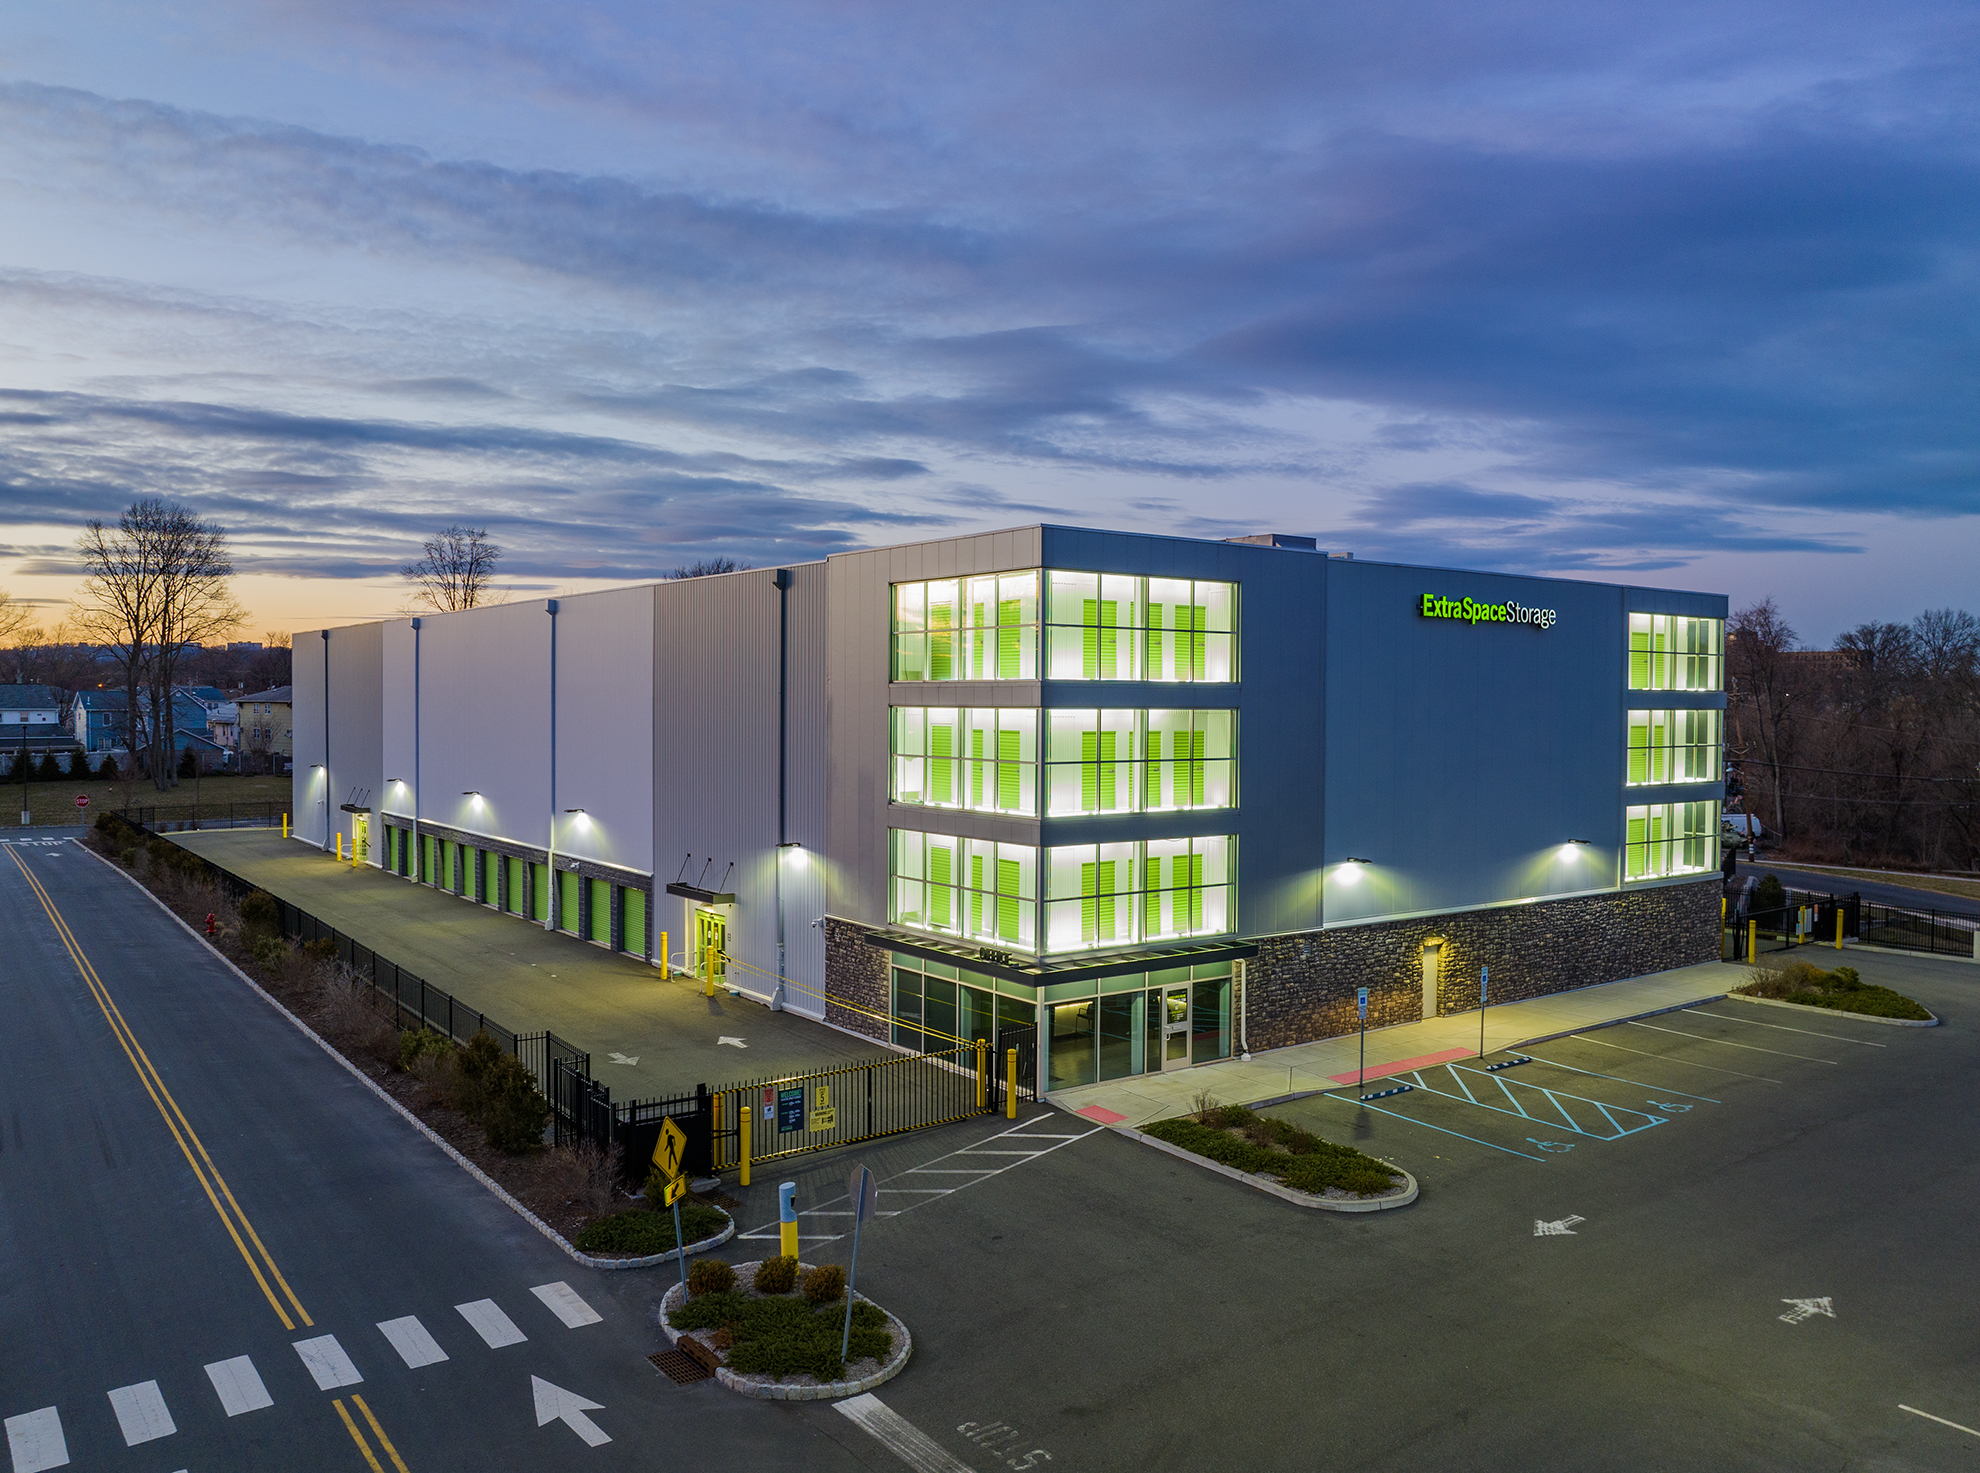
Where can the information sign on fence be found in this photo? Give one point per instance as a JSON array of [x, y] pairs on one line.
[[790, 1110]]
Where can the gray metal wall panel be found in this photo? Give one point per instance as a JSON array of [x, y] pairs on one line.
[[355, 725], [484, 706], [1460, 757], [395, 799], [605, 726]]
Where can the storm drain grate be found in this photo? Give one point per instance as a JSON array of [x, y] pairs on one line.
[[679, 1368]]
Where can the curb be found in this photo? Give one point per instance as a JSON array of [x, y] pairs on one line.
[[1272, 1188], [1805, 1010], [817, 1391], [417, 1124], [1935, 956]]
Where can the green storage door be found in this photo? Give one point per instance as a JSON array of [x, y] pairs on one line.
[[601, 911], [633, 935], [518, 879], [539, 892], [425, 858], [567, 901], [491, 877]]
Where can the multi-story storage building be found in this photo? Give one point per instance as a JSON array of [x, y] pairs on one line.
[[1165, 799]]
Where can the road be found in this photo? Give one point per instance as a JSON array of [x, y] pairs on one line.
[[205, 1220], [1881, 892]]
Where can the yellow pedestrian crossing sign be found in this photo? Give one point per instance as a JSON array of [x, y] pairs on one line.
[[668, 1150]]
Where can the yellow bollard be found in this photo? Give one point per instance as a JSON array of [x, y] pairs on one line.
[[1010, 1084], [787, 1242], [340, 848], [746, 1107], [285, 825], [666, 960], [982, 1073], [1752, 943], [1839, 928]]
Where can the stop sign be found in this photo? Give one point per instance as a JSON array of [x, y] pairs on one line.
[[82, 800]]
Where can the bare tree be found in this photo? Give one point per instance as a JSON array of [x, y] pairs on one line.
[[455, 569], [15, 617], [1762, 683], [704, 567], [158, 584]]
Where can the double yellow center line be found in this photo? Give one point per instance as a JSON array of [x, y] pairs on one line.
[[218, 1193]]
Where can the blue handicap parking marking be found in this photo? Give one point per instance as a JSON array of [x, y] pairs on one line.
[[1529, 1099]]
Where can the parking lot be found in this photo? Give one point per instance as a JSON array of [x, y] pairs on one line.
[[1731, 1236]]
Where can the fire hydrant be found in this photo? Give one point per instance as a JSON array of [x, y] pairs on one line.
[[212, 924]]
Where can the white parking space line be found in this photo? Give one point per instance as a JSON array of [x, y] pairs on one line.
[[142, 1415], [898, 1435], [1598, 1074], [1669, 1059], [35, 1441], [1956, 1426], [415, 1346], [239, 1386], [565, 1304], [328, 1366], [1783, 1028], [977, 1174], [491, 1324], [1728, 1043]]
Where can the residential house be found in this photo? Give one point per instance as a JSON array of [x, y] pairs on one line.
[[267, 727], [223, 722], [98, 719], [32, 713]]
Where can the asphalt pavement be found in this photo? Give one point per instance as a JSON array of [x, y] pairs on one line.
[[1882, 892], [647, 1036], [223, 1251]]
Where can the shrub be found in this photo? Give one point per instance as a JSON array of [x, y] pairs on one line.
[[269, 951], [260, 911], [642, 1233], [711, 1276], [48, 770], [513, 1110], [1203, 1105], [776, 1275], [825, 1284], [106, 768], [129, 857], [188, 764], [417, 1043], [1299, 1158], [786, 1337], [1769, 895], [322, 949]]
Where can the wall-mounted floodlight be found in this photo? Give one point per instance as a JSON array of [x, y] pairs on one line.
[[793, 851], [1351, 859], [398, 781]]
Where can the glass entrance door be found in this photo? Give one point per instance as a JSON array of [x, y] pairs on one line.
[[710, 929], [1175, 1027]]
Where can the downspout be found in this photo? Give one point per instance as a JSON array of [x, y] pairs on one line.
[[781, 580], [1243, 970], [326, 739], [419, 851], [550, 852]]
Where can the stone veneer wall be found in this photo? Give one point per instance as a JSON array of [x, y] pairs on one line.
[[858, 973], [1301, 987]]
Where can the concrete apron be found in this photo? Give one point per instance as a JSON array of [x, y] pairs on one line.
[[1330, 1063]]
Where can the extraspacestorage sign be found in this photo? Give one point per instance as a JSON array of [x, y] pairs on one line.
[[1473, 612]]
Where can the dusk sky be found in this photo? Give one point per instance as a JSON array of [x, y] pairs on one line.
[[1673, 293]]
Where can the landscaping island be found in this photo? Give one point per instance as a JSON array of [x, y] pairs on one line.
[[1302, 1164], [1840, 991], [772, 1328]]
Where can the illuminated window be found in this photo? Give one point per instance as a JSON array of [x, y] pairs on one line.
[[1108, 895], [983, 628], [972, 888], [1663, 839], [985, 759], [1673, 652], [1674, 747], [1107, 626]]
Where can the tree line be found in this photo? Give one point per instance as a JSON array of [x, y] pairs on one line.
[[1867, 753]]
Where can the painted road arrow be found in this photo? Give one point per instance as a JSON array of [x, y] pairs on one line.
[[726, 1039], [1807, 1309], [621, 1059], [554, 1404]]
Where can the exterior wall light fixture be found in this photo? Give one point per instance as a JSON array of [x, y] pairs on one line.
[[1352, 860]]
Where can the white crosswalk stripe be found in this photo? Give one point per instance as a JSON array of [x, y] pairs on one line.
[[35, 1441], [410, 1338], [141, 1413], [239, 1386], [566, 1305], [494, 1327], [328, 1366]]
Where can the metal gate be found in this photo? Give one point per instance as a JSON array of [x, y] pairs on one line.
[[796, 1113]]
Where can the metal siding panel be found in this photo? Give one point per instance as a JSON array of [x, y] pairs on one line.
[[605, 725], [484, 705]]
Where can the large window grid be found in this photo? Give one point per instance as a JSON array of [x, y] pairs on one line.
[[1099, 626], [1108, 626], [1663, 839], [1673, 652], [1096, 761], [983, 628], [1097, 895], [1674, 747]]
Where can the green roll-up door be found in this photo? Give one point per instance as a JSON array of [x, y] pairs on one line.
[[601, 912], [518, 883], [447, 848], [539, 892], [491, 877], [567, 902], [632, 936]]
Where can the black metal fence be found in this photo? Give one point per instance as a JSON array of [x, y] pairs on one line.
[[1940, 932], [1806, 917], [181, 817]]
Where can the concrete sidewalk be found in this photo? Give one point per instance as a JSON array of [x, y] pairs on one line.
[[529, 979], [1331, 1062]]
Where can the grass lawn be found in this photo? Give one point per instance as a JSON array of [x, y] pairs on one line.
[[55, 803]]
